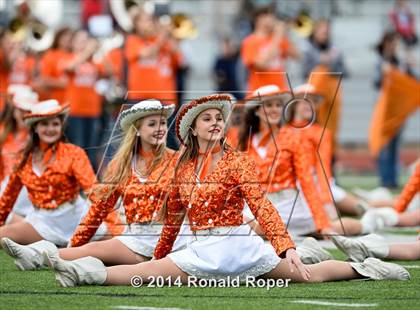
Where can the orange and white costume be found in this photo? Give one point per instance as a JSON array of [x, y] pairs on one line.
[[222, 244], [142, 199], [54, 194], [214, 209], [282, 162]]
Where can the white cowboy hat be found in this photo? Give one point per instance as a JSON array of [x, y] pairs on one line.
[[13, 89], [190, 111], [25, 100], [267, 92], [43, 110], [142, 109], [307, 90]]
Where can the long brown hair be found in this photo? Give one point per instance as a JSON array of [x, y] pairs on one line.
[[250, 125], [8, 123], [119, 168]]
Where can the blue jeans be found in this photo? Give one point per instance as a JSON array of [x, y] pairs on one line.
[[83, 131], [388, 162]]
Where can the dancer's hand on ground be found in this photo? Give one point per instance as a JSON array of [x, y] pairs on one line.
[[294, 261]]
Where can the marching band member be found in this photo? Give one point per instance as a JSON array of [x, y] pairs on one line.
[[265, 51], [211, 183], [84, 102], [139, 173], [53, 172], [53, 81], [152, 57]]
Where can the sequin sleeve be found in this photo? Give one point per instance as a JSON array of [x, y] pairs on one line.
[[82, 169], [9, 196], [410, 190], [97, 213], [264, 212], [302, 167], [174, 217]]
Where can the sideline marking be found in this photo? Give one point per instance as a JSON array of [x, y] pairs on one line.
[[325, 303]]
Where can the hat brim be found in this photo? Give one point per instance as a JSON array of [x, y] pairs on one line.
[[188, 118], [129, 116], [253, 102], [30, 118]]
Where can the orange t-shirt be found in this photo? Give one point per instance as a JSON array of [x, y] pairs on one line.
[[51, 67], [22, 69], [152, 77], [115, 59], [80, 93], [252, 47]]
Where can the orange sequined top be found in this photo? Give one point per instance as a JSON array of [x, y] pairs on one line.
[[10, 151], [59, 183], [218, 201], [320, 152], [410, 190], [285, 162], [140, 200]]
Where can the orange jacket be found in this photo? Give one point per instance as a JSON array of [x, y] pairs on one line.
[[59, 183], [140, 200], [219, 202]]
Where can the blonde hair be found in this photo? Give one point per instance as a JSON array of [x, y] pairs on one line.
[[119, 168]]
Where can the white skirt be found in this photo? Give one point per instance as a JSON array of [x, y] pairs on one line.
[[293, 210], [22, 205], [226, 251], [58, 225], [143, 238]]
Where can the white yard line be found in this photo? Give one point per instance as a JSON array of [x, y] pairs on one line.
[[411, 266], [143, 308], [336, 304]]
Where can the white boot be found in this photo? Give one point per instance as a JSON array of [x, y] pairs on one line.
[[371, 222], [358, 249], [388, 216], [28, 257], [375, 269], [86, 270], [310, 252]]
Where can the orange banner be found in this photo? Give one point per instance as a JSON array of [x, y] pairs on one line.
[[399, 97], [327, 85]]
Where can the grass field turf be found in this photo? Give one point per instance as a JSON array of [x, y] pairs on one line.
[[38, 289]]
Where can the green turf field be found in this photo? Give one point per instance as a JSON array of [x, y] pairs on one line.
[[38, 289]]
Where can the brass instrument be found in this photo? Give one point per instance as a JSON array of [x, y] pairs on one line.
[[303, 24], [36, 27], [182, 26]]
